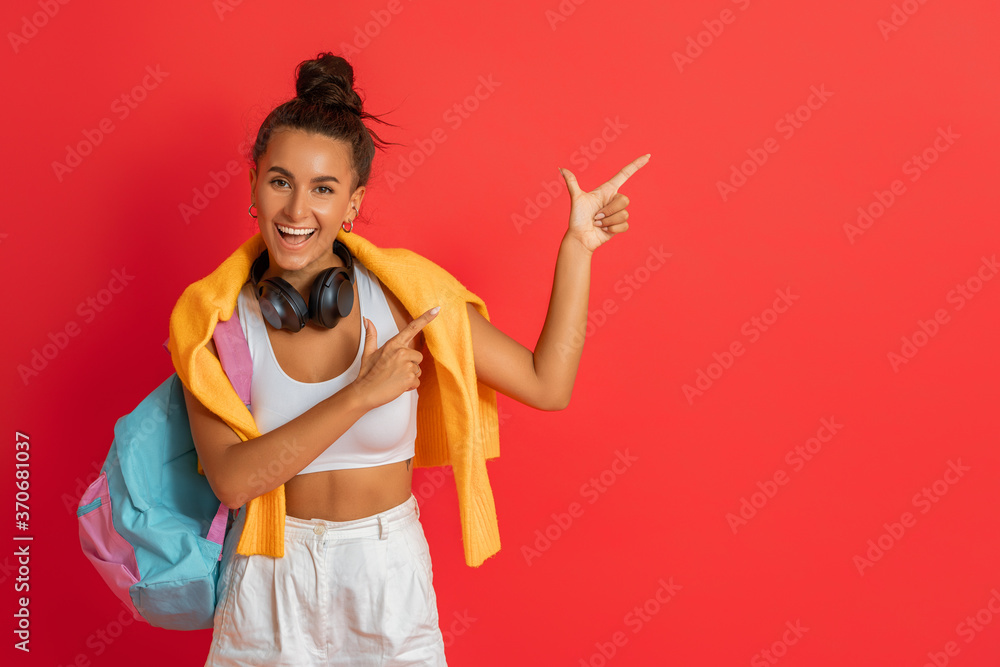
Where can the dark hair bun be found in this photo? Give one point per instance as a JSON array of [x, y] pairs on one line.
[[328, 81], [326, 104]]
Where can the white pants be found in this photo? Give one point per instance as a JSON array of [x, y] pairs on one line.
[[345, 593]]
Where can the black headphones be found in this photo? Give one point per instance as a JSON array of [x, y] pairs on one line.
[[331, 296]]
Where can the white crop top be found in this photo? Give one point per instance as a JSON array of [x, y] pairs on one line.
[[384, 435]]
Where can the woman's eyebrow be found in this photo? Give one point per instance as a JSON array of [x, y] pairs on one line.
[[318, 179]]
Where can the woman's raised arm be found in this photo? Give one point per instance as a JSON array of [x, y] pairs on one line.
[[544, 378]]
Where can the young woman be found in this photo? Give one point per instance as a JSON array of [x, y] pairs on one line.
[[354, 585]]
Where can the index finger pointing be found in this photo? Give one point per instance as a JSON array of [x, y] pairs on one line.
[[619, 179], [413, 328]]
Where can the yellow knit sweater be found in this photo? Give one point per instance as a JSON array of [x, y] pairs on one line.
[[456, 415]]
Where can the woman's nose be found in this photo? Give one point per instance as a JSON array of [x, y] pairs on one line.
[[297, 205]]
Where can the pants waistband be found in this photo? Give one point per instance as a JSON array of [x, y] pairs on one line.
[[376, 525]]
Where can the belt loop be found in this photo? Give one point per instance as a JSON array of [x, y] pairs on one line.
[[382, 529]]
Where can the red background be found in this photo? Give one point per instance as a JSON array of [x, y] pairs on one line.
[[665, 517]]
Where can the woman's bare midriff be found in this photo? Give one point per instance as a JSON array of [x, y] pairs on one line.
[[345, 495]]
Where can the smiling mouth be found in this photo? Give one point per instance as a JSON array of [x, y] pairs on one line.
[[293, 235]]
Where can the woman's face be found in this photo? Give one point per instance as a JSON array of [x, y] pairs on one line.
[[304, 184]]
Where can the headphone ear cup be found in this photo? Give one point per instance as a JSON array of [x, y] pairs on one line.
[[282, 305], [331, 297]]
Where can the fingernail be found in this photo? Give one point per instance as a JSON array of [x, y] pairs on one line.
[[435, 310], [598, 216]]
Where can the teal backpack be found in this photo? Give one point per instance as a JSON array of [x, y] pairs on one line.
[[150, 523]]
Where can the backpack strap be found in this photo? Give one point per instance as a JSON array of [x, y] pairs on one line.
[[217, 532], [234, 353]]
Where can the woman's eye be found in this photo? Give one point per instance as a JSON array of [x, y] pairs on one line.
[[281, 183]]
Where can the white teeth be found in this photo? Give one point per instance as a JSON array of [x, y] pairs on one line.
[[296, 232]]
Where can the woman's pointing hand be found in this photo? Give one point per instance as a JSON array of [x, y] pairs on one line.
[[605, 201]]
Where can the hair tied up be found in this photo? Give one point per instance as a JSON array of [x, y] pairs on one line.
[[328, 81], [324, 88]]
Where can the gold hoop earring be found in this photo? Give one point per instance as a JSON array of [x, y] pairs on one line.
[[350, 222]]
